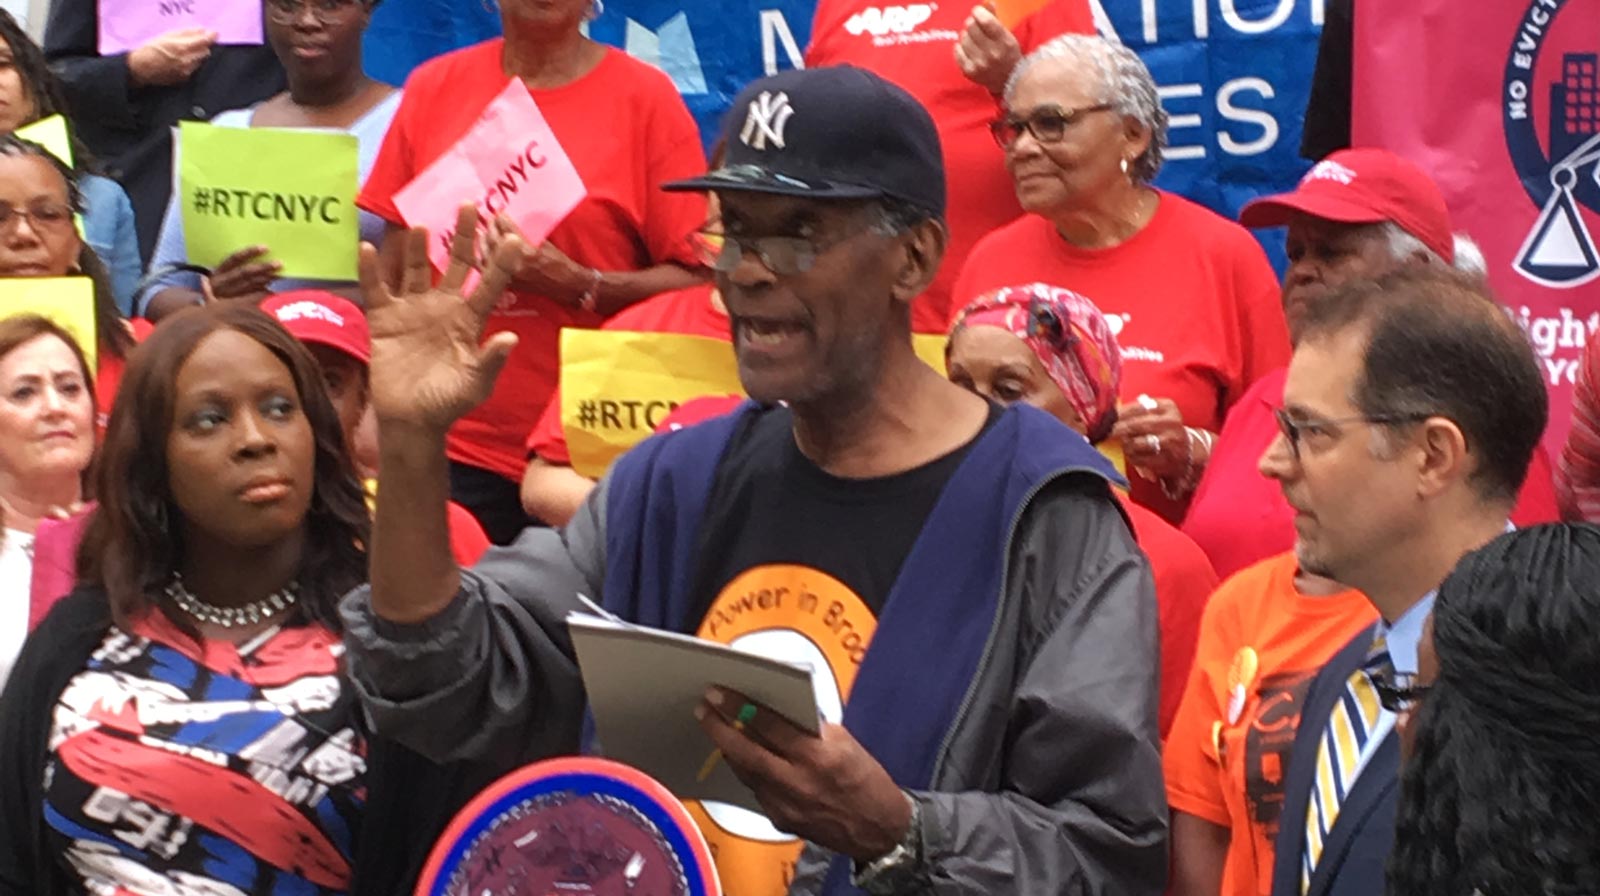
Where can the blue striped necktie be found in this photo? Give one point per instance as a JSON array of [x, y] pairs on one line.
[[1343, 743]]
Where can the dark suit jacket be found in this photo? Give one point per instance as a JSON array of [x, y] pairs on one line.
[[1353, 859], [129, 128]]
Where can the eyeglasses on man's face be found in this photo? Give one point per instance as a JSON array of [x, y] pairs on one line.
[[1048, 124], [782, 255], [1298, 431]]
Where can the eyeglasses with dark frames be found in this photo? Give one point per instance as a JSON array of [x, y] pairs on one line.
[[1294, 431], [1048, 124]]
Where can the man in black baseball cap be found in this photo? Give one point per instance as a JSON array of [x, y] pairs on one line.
[[830, 133], [980, 622]]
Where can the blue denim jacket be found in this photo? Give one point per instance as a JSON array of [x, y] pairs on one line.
[[108, 228]]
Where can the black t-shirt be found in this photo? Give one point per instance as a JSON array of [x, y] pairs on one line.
[[770, 505]]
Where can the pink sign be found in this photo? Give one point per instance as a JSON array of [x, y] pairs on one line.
[[128, 24], [509, 163]]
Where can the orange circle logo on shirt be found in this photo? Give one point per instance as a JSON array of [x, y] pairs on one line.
[[801, 615]]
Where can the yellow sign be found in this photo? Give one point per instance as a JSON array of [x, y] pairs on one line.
[[291, 190], [69, 301], [51, 133], [930, 348], [617, 386], [1112, 449]]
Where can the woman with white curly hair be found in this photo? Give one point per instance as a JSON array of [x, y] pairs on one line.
[[1191, 294]]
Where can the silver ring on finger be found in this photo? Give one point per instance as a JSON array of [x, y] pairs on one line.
[[1154, 441]]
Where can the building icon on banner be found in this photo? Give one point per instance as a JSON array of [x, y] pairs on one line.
[[1560, 251]]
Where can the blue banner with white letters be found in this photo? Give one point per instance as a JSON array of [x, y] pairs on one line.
[[1234, 74]]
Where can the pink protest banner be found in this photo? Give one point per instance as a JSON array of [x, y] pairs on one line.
[[508, 162], [128, 24], [1499, 101]]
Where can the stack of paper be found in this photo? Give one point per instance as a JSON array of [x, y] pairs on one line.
[[645, 683]]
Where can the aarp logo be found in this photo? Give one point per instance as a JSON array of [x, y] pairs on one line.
[[890, 19]]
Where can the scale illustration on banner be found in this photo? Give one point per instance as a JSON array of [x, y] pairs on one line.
[[1560, 250]]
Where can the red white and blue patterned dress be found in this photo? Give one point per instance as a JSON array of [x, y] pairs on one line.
[[183, 769]]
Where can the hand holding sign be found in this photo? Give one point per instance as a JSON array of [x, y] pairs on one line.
[[242, 275], [988, 51], [428, 367], [170, 58], [545, 270]]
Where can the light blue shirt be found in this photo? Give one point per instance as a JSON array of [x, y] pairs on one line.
[[369, 131], [1403, 636], [109, 230]]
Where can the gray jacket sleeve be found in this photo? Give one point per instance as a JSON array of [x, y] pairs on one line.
[[491, 677], [1053, 783]]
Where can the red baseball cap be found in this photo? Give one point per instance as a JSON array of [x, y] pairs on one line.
[[319, 317], [1364, 186]]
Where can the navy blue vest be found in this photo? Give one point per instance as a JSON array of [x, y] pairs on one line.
[[944, 599]]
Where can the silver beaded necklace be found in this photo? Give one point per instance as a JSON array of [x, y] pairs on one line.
[[229, 617]]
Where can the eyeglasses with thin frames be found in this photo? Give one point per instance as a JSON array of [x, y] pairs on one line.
[[1294, 431], [326, 12], [1047, 125], [42, 219]]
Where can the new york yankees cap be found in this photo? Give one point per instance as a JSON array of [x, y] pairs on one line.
[[837, 132]]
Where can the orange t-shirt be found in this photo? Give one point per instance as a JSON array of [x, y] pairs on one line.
[[1228, 750]]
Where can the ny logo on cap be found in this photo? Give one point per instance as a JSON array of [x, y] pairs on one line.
[[769, 115]]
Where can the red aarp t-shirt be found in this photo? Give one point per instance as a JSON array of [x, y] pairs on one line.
[[1191, 298], [688, 312], [627, 132], [913, 45]]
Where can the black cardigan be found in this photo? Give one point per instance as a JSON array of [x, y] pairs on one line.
[[409, 799]]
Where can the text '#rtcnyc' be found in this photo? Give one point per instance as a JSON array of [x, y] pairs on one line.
[[221, 202], [623, 414], [497, 198]]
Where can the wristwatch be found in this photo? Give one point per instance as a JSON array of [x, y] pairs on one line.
[[900, 869]]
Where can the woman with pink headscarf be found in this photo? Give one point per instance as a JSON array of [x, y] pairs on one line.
[[1051, 348]]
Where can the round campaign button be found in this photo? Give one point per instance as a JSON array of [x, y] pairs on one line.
[[571, 827]]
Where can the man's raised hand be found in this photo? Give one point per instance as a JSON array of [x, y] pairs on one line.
[[429, 366]]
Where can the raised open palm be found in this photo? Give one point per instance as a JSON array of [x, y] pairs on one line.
[[429, 363]]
